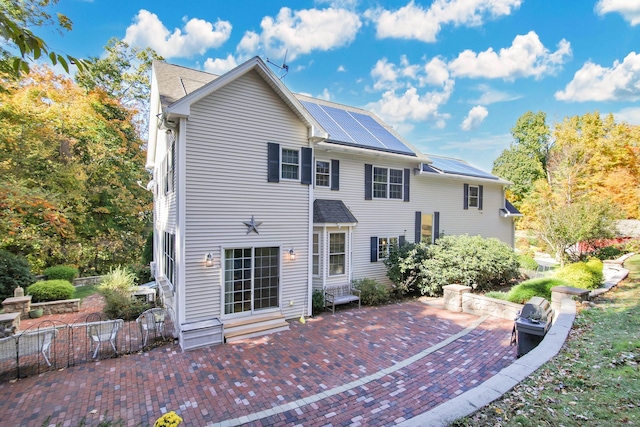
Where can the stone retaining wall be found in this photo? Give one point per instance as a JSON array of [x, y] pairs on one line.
[[58, 307], [481, 305], [84, 281]]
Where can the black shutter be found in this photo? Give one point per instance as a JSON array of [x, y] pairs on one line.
[[273, 162], [407, 174], [465, 202], [401, 241], [418, 228], [374, 249], [436, 226], [368, 182], [480, 197], [335, 175], [307, 160]]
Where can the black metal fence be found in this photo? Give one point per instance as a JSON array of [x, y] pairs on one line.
[[52, 344]]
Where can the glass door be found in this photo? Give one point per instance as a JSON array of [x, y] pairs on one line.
[[251, 279]]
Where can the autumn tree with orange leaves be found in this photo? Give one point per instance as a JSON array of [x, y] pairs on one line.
[[70, 163]]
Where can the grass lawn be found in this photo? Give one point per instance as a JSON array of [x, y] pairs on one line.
[[84, 291], [594, 380]]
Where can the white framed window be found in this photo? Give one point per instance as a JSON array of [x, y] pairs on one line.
[[323, 173], [337, 254], [290, 165], [388, 183], [316, 254], [474, 196], [384, 246], [169, 257]]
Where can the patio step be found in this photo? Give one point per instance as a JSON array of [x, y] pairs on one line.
[[254, 326]]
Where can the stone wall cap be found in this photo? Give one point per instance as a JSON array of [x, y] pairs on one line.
[[457, 287], [16, 299], [569, 290]]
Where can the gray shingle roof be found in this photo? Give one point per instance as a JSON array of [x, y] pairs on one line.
[[331, 211], [175, 82]]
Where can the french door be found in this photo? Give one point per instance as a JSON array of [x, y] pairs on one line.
[[251, 279]]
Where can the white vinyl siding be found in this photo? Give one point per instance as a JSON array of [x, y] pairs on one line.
[[226, 184]]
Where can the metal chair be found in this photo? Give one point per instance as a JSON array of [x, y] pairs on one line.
[[106, 331], [151, 320]]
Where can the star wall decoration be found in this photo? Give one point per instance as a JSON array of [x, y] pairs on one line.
[[252, 225]]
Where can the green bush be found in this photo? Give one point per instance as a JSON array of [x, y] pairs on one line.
[[608, 252], [583, 275], [467, 260], [497, 295], [141, 272], [61, 272], [317, 301], [371, 291], [14, 271], [119, 280], [124, 307], [523, 292], [51, 290], [527, 262]]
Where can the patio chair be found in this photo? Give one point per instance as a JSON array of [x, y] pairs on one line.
[[151, 320], [101, 332]]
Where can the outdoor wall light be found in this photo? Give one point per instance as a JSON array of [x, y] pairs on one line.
[[209, 260], [292, 255]]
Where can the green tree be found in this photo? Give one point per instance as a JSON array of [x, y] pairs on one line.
[[525, 161], [123, 72], [70, 161], [16, 16]]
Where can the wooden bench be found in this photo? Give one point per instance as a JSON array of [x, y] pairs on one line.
[[340, 294], [26, 343]]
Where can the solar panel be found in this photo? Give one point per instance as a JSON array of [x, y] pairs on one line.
[[458, 167], [356, 129]]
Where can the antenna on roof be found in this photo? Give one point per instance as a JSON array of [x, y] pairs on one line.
[[284, 68]]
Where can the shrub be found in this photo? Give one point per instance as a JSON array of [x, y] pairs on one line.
[[497, 295], [541, 287], [14, 271], [371, 291], [317, 301], [141, 272], [584, 275], [527, 262], [124, 307], [467, 260], [119, 280], [61, 272], [51, 290]]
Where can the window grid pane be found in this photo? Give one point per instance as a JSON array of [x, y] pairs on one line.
[[473, 196], [316, 254], [322, 174], [290, 164], [237, 284], [336, 254], [395, 183], [266, 278]]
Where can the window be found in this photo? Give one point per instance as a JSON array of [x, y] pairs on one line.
[[290, 164], [169, 257], [251, 279], [384, 246], [323, 173], [426, 229], [169, 165], [472, 196], [316, 254], [388, 183], [337, 253]]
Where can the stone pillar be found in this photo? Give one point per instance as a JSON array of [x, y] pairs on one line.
[[558, 293], [20, 305], [453, 297]]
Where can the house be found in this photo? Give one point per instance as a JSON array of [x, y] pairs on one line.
[[262, 195]]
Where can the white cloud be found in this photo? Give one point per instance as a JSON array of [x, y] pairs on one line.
[[325, 95], [384, 74], [341, 69], [301, 32], [414, 22], [629, 115], [220, 65], [629, 10], [196, 37], [526, 57], [411, 106], [436, 72], [593, 82], [492, 96], [474, 118]]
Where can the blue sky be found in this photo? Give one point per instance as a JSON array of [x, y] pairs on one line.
[[451, 76]]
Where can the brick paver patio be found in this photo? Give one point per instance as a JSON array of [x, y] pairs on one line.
[[369, 366]]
